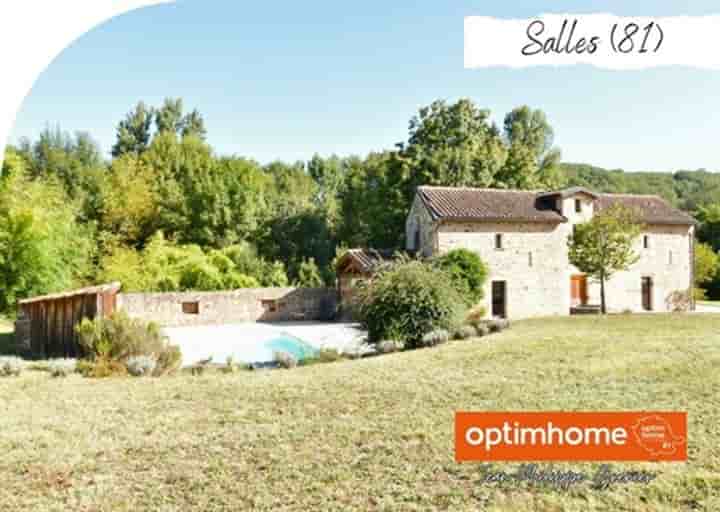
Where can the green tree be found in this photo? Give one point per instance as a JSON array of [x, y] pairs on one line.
[[43, 246], [532, 160], [453, 145], [130, 205], [707, 264], [709, 230], [133, 132], [169, 117], [467, 272], [309, 275], [193, 125], [604, 245]]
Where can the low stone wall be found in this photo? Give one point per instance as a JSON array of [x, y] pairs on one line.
[[245, 305]]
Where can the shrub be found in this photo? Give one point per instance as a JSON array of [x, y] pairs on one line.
[[498, 324], [467, 272], [62, 367], [407, 300], [464, 332], [285, 360], [475, 314], [434, 338], [119, 338], [482, 329], [101, 368], [389, 346], [168, 361], [140, 366], [11, 366], [329, 355], [230, 366]]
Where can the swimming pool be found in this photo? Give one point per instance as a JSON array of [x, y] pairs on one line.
[[292, 345], [257, 342]]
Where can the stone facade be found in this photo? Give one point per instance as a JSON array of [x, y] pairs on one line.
[[420, 230], [244, 305], [532, 260]]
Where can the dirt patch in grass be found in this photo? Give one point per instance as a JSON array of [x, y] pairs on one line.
[[372, 434]]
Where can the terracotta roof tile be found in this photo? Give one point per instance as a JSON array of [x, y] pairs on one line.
[[461, 203], [487, 204], [650, 209]]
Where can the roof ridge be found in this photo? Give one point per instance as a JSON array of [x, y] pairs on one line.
[[626, 194], [479, 189]]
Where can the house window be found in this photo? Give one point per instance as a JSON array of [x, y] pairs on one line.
[[191, 308], [646, 242], [578, 206], [670, 257], [417, 239], [270, 306], [530, 263], [498, 241]]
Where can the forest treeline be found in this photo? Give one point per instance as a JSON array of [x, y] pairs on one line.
[[166, 212]]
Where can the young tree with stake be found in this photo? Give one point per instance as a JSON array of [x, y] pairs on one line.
[[604, 245]]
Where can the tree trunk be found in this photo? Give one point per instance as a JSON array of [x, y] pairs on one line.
[[603, 308]]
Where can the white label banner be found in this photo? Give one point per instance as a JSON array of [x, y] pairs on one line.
[[602, 40]]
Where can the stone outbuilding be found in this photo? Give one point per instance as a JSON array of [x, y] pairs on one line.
[[522, 237]]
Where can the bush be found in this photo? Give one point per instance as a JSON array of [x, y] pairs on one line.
[[406, 300], [436, 337], [475, 314], [230, 366], [482, 329], [101, 368], [388, 346], [62, 367], [11, 366], [118, 338], [464, 332], [329, 355], [168, 361], [285, 360], [498, 324], [467, 272], [141, 366]]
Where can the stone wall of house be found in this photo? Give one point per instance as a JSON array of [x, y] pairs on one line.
[[534, 264], [419, 222], [245, 305], [670, 274]]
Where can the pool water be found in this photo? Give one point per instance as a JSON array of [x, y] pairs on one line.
[[291, 345]]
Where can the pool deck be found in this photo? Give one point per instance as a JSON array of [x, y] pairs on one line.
[[246, 341]]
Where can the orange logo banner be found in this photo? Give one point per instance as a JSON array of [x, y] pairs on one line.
[[570, 436]]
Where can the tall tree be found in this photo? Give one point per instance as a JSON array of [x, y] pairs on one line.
[[454, 145], [532, 160], [709, 231], [194, 125], [707, 264], [169, 117], [604, 245], [133, 132]]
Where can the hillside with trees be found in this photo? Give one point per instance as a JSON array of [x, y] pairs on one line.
[[165, 212]]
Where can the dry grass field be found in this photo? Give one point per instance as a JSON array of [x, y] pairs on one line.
[[371, 434]]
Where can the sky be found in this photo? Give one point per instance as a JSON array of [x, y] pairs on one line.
[[286, 80]]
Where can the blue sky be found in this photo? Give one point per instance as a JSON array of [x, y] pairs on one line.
[[285, 80]]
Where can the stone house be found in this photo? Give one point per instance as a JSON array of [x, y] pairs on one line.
[[522, 238]]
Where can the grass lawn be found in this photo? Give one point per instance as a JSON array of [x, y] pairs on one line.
[[709, 302], [373, 434]]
